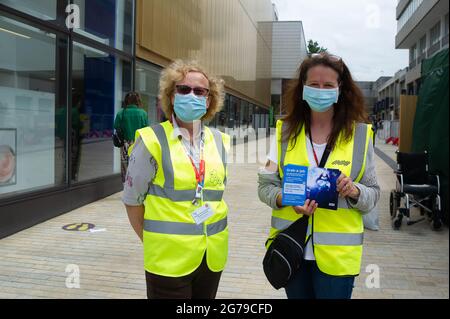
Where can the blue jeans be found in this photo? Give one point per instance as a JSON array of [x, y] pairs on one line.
[[310, 283]]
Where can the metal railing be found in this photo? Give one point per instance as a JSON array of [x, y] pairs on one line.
[[421, 58], [434, 48]]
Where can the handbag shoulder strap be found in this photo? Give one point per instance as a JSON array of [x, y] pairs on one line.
[[325, 156], [326, 153]]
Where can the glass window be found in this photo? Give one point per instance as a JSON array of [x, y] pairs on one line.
[[260, 117], [234, 108], [147, 85], [275, 101], [244, 114], [99, 84], [221, 117], [423, 45], [238, 113], [228, 111], [250, 115], [446, 24], [42, 9], [31, 139], [412, 53], [408, 13], [435, 34], [107, 21]]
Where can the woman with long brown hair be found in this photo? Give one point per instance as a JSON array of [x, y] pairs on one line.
[[325, 115]]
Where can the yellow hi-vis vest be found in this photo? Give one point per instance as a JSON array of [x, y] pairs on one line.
[[337, 235], [174, 245]]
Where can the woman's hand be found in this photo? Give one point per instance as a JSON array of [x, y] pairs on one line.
[[307, 209], [346, 188]]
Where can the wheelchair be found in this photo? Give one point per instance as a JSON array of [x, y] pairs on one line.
[[416, 187]]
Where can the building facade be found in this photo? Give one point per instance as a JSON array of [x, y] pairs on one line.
[[423, 29], [289, 49], [388, 91], [370, 94], [61, 85], [226, 36]]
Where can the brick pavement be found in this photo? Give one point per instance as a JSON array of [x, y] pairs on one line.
[[413, 262]]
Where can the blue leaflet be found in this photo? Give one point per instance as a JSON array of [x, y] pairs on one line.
[[301, 183], [294, 185]]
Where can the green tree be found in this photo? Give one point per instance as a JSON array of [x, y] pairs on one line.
[[314, 47]]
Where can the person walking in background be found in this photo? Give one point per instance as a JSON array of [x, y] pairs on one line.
[[174, 188], [374, 129], [325, 110], [129, 119], [380, 129]]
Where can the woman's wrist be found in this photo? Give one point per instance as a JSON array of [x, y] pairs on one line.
[[355, 193], [278, 201]]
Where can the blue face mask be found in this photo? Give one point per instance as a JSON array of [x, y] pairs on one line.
[[189, 107], [320, 100]]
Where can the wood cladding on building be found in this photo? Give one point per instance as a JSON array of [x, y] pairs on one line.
[[225, 36]]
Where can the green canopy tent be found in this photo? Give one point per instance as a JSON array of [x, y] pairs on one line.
[[430, 130]]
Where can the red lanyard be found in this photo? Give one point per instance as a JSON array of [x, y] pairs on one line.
[[199, 174], [314, 151]]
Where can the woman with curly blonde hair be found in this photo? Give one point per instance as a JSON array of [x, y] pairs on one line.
[[174, 187]]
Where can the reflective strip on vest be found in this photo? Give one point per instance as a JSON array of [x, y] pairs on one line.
[[280, 223], [176, 228], [165, 156], [358, 144], [216, 227], [221, 150], [323, 238], [168, 190], [184, 195], [338, 239]]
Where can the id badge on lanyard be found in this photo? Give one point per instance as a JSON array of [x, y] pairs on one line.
[[199, 176]]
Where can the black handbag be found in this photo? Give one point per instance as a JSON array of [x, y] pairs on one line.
[[118, 136], [284, 256]]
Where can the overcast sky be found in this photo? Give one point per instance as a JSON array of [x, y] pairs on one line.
[[362, 32]]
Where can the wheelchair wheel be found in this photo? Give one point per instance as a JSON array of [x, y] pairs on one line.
[[393, 204], [436, 225], [397, 223]]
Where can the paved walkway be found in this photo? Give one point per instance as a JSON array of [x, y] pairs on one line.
[[413, 262]]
